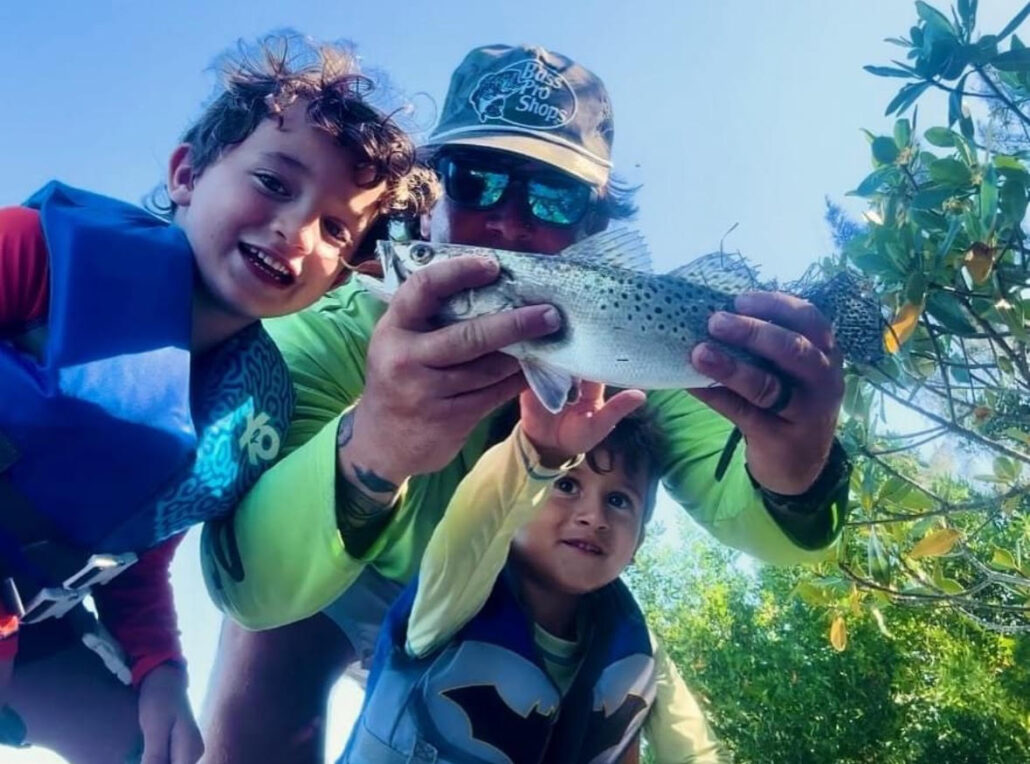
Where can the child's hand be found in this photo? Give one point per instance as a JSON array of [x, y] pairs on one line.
[[170, 734], [579, 426]]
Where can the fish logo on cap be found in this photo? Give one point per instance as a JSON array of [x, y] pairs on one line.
[[527, 93]]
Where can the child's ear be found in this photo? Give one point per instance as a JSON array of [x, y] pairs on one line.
[[180, 175], [423, 226]]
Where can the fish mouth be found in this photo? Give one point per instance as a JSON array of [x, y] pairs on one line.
[[584, 546]]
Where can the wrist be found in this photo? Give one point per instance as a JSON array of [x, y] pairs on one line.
[[365, 463]]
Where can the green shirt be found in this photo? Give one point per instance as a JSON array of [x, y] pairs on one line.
[[280, 557]]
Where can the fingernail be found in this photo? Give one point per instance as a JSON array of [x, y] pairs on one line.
[[720, 322], [707, 355], [488, 263], [552, 318], [745, 302]]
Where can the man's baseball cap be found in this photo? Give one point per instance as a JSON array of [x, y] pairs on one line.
[[533, 102]]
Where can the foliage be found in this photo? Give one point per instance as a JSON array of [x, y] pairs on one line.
[[912, 685], [941, 429]]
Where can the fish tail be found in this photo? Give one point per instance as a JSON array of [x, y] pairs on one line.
[[857, 319]]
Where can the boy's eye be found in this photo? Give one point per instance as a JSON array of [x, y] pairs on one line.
[[337, 231], [565, 485], [272, 183], [620, 501]]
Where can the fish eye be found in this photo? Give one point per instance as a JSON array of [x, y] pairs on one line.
[[421, 253]]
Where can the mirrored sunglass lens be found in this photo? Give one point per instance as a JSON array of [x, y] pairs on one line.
[[475, 187], [563, 205]]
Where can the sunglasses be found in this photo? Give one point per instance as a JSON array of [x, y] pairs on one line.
[[550, 198]]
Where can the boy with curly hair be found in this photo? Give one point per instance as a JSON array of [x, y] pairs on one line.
[[141, 393]]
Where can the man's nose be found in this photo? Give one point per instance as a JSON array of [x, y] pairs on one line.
[[510, 221]]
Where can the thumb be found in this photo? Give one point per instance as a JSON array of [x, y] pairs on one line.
[[155, 740], [187, 746], [614, 410]]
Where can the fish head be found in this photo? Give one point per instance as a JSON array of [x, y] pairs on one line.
[[399, 260]]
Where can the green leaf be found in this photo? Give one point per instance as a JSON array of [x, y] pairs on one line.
[[887, 71], [1012, 61], [1002, 558], [955, 101], [931, 198], [950, 171], [966, 126], [915, 288], [934, 18], [906, 97], [967, 12], [902, 133], [949, 314], [877, 560], [873, 181], [1013, 25], [941, 136], [1008, 162], [1013, 201], [989, 197], [1006, 469], [885, 151]]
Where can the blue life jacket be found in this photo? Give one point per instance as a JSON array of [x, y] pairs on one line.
[[121, 438], [486, 697]]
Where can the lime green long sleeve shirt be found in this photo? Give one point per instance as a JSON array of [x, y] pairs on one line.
[[280, 557]]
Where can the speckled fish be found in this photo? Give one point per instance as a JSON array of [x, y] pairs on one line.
[[622, 324]]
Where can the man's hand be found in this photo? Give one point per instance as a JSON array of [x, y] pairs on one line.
[[428, 387], [786, 449], [170, 733], [578, 427]]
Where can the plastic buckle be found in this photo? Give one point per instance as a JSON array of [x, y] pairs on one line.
[[55, 601]]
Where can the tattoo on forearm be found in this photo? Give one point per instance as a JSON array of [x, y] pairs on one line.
[[374, 482], [359, 517], [345, 431]]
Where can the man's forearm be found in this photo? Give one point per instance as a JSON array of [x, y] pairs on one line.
[[364, 499]]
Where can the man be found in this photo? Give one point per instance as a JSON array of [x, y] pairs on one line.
[[393, 411]]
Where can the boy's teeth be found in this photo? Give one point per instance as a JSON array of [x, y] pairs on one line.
[[271, 262]]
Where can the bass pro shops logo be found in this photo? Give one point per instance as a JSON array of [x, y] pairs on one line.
[[527, 93]]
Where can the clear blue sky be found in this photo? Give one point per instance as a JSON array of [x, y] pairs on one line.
[[726, 111]]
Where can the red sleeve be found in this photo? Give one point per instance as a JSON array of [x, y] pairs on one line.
[[24, 271], [138, 609]]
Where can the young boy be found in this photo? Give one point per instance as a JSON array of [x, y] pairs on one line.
[[141, 394], [518, 642]]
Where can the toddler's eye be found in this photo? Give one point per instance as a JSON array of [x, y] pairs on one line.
[[618, 500], [565, 485]]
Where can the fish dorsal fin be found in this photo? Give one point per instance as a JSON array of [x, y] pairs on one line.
[[618, 247], [722, 271]]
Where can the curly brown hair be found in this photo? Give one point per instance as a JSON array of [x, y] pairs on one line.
[[261, 81]]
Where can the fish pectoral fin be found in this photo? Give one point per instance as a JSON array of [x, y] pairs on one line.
[[550, 385]]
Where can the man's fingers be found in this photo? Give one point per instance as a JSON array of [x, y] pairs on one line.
[[474, 375], [794, 353], [790, 312], [477, 404], [733, 407], [468, 340], [758, 387], [427, 289]]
